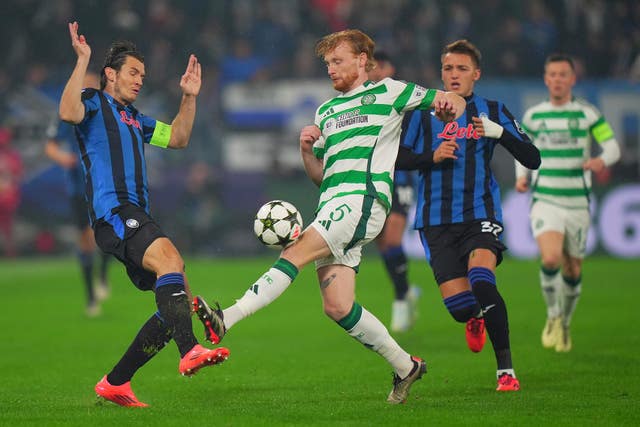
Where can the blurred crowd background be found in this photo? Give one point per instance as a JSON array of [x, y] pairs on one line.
[[245, 46]]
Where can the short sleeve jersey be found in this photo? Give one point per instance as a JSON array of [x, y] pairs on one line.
[[360, 137], [111, 138], [563, 136]]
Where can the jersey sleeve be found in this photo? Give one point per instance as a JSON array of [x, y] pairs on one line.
[[90, 98], [603, 134], [516, 140], [155, 132], [526, 124], [510, 124], [410, 96]]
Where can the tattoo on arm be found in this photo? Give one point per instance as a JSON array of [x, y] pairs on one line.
[[326, 282]]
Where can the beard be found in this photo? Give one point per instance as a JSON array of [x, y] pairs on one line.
[[127, 98], [345, 83]]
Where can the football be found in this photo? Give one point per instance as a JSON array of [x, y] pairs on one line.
[[277, 224]]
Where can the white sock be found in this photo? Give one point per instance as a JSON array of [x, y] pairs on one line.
[[571, 295], [374, 335], [511, 372], [552, 292], [262, 293]]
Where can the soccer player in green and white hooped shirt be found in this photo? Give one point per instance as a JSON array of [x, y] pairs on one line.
[[350, 154], [561, 128]]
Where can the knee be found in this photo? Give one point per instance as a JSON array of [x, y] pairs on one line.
[[551, 261], [572, 269], [336, 311]]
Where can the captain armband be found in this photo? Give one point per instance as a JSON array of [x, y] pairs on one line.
[[161, 135]]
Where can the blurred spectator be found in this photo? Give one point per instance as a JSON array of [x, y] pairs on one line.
[[539, 31], [242, 65], [10, 176]]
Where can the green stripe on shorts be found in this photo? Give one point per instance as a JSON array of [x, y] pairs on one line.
[[361, 228]]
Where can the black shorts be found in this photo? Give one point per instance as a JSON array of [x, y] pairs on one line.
[[127, 235], [79, 211], [451, 244], [403, 198]]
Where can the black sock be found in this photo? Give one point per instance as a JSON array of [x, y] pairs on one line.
[[494, 312], [151, 338], [175, 310], [396, 262], [86, 264]]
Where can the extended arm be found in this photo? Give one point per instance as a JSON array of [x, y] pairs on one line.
[[448, 106], [71, 108], [516, 142], [312, 165], [183, 122]]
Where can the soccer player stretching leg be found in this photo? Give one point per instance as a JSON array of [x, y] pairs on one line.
[[111, 134], [458, 215], [559, 215], [349, 153]]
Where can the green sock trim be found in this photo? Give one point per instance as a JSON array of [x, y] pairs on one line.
[[350, 320], [571, 281], [549, 272], [286, 267]]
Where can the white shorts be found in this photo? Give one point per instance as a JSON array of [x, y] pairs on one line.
[[573, 223], [347, 223]]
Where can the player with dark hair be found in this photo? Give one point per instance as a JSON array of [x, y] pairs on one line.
[[561, 128], [459, 216], [62, 148], [389, 241], [349, 153], [111, 135]]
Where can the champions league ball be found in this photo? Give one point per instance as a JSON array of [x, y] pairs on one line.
[[277, 224]]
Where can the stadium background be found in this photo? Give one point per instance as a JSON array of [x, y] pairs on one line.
[[262, 82]]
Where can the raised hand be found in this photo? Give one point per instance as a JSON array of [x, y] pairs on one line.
[[192, 78], [79, 42]]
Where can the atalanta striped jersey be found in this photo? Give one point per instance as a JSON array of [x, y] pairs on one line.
[[563, 136], [111, 138], [464, 189], [360, 137]]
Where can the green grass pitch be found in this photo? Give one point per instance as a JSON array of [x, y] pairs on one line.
[[290, 365]]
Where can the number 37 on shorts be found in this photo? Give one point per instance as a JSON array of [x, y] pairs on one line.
[[491, 227]]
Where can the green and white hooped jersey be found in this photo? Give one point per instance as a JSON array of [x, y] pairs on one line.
[[360, 137], [563, 136]]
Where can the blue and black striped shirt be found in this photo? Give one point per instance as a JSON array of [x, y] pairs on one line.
[[462, 190], [111, 138]]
